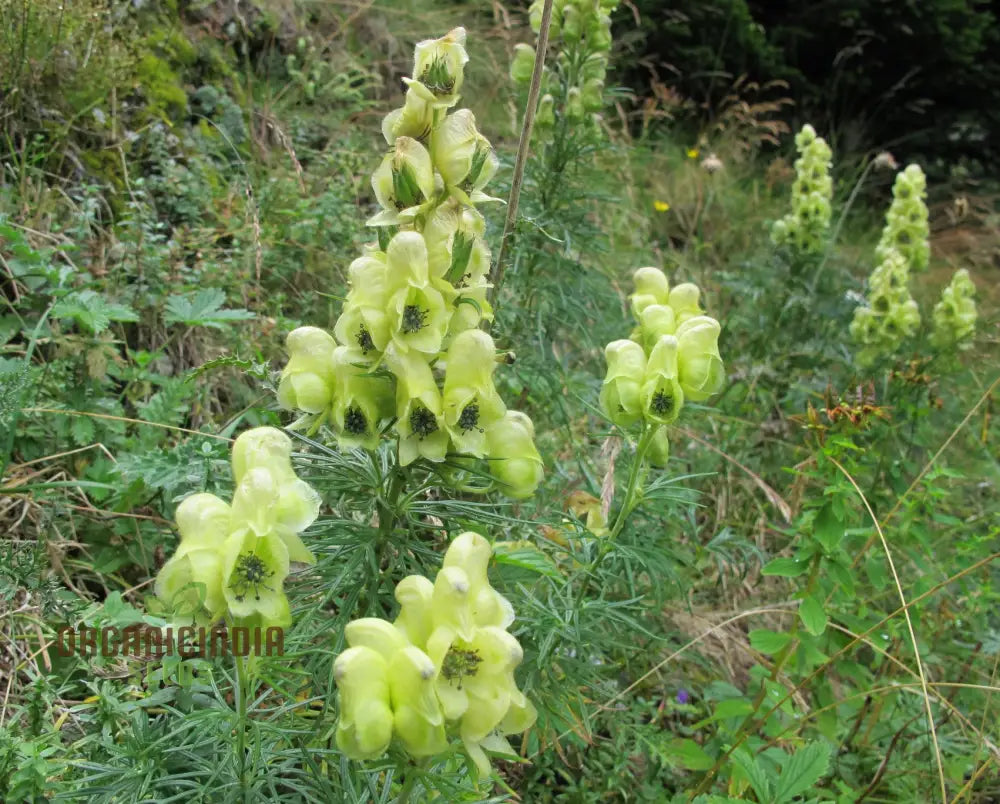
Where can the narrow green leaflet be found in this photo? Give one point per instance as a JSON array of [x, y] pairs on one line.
[[786, 567]]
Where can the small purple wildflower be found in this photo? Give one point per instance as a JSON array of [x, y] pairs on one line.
[[682, 696]]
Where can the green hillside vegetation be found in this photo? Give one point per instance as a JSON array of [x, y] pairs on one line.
[[653, 461]]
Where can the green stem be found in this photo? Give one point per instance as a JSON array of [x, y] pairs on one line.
[[523, 145], [388, 507], [410, 782], [632, 491], [840, 225]]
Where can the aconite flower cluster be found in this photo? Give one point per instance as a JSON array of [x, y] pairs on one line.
[[954, 316], [671, 357], [906, 227], [234, 556], [804, 228], [444, 667], [406, 348], [890, 314], [573, 89]]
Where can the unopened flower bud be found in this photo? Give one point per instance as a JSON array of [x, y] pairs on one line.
[[574, 104], [364, 728], [523, 64], [620, 394], [546, 115], [307, 380], [699, 364], [514, 460]]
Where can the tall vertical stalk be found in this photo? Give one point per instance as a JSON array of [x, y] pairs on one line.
[[523, 145]]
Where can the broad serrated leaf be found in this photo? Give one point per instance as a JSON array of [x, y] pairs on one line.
[[828, 529], [13, 381], [731, 707], [769, 642], [92, 311], [688, 754], [786, 567], [812, 615], [202, 308], [802, 770], [82, 430], [755, 774]]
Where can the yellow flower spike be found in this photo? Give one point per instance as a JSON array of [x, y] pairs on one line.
[[379, 635], [403, 183], [954, 316], [683, 299], [415, 594], [464, 157], [364, 728], [439, 68], [415, 119], [698, 360], [418, 407], [471, 402], [471, 552], [418, 719], [306, 381], [514, 460], [620, 393], [203, 520], [254, 568], [662, 397]]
